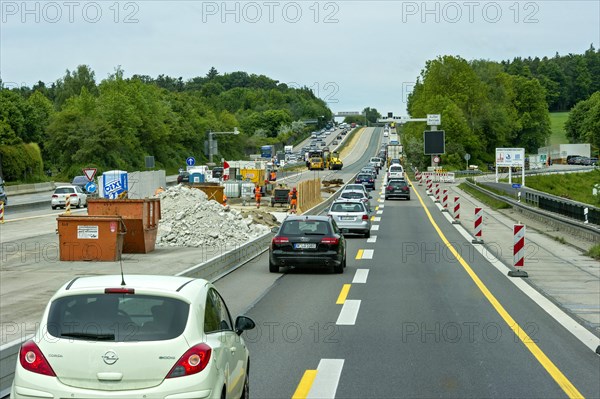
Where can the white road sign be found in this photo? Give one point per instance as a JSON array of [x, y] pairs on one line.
[[434, 119]]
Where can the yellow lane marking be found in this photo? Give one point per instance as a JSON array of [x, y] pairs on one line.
[[377, 208], [359, 254], [305, 384], [343, 294], [535, 350], [372, 218]]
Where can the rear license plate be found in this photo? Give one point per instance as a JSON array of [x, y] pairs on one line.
[[346, 217], [305, 245]]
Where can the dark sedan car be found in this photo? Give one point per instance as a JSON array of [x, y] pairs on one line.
[[397, 188], [183, 177], [308, 241], [366, 179]]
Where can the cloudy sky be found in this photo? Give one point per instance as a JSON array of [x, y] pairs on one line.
[[353, 54]]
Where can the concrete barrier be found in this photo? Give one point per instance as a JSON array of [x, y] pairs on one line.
[[29, 188]]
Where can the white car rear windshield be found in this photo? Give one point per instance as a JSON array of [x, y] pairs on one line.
[[117, 317], [347, 207]]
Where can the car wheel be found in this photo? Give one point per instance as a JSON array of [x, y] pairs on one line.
[[368, 234], [53, 207], [386, 198], [273, 268], [344, 261], [408, 198], [246, 389]]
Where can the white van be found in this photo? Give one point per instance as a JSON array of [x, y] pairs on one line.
[[395, 172]]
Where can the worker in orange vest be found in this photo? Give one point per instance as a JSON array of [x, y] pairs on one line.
[[257, 195], [293, 198]]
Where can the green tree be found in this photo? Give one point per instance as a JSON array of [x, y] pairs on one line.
[[72, 84]]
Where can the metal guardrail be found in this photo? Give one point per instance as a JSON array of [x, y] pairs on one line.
[[563, 206], [586, 231]]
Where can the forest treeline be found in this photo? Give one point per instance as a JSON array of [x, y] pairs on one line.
[[486, 104], [77, 122]]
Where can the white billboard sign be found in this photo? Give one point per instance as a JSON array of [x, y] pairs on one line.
[[510, 157]]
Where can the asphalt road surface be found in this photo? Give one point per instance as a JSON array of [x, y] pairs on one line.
[[408, 319]]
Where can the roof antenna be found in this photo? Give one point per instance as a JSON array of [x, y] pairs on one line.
[[122, 276]]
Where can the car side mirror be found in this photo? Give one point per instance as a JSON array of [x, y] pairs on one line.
[[370, 197], [243, 323], [274, 230]]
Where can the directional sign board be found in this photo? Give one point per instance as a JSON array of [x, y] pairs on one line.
[[510, 157], [90, 187], [89, 173], [516, 185], [467, 157], [434, 119], [190, 161]]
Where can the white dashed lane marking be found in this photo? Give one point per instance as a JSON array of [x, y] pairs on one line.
[[360, 277], [348, 313]]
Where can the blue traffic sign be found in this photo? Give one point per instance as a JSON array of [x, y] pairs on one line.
[[190, 161], [90, 187], [516, 185]]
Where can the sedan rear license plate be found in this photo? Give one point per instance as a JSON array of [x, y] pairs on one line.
[[305, 245], [346, 217]]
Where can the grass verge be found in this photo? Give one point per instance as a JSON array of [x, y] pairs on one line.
[[347, 141], [594, 252], [486, 199], [575, 186]]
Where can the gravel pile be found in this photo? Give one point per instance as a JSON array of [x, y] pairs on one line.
[[189, 219]]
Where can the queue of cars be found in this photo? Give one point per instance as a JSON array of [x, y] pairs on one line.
[[319, 241]]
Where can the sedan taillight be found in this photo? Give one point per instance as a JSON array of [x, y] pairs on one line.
[[54, 196], [365, 217], [192, 362], [278, 240], [73, 195], [389, 188], [330, 240], [33, 360]]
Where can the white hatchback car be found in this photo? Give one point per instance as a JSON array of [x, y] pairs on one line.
[[135, 336], [59, 197]]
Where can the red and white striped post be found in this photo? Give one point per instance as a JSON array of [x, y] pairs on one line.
[[1, 212], [445, 200], [68, 205], [437, 192], [429, 183], [420, 178], [518, 251], [478, 226], [456, 210]]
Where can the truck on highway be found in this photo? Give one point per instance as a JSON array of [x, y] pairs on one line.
[[315, 160], [288, 149], [267, 151], [394, 151]]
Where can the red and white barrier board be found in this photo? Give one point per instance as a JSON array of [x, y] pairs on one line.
[[519, 245]]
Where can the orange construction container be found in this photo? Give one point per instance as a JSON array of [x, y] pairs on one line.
[[141, 218], [91, 238], [212, 191]]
